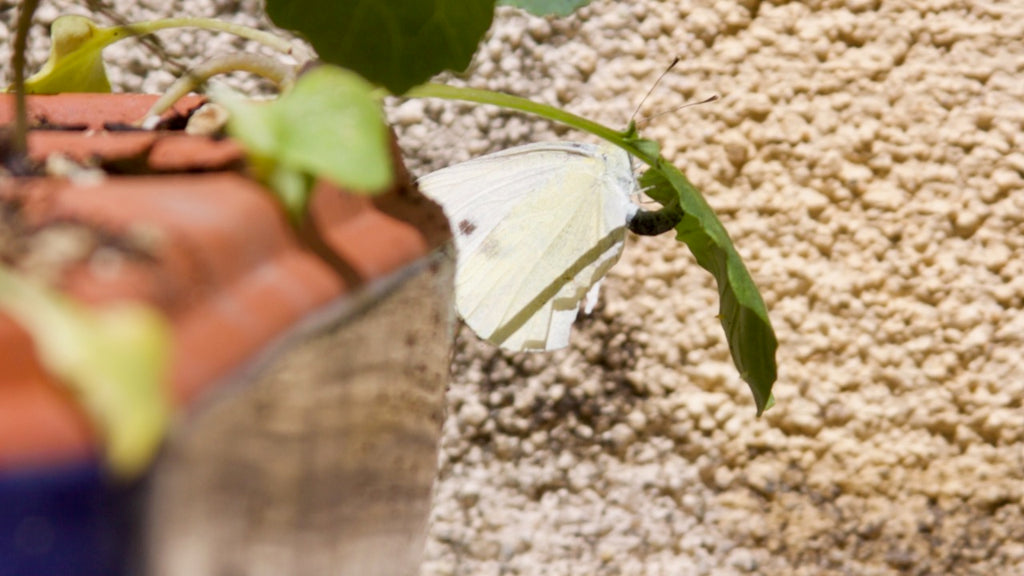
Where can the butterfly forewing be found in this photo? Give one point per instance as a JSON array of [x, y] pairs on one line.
[[535, 227]]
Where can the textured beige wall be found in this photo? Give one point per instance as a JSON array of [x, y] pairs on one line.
[[866, 157]]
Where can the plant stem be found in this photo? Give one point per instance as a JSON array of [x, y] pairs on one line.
[[282, 76], [529, 106], [149, 27], [19, 140]]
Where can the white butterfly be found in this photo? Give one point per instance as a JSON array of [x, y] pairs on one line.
[[536, 228]]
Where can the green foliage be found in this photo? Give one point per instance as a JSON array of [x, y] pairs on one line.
[[546, 7], [76, 58], [76, 48], [741, 309], [647, 148], [328, 125], [114, 360], [394, 43]]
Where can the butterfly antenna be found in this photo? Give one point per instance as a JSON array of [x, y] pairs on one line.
[[653, 86], [707, 100]]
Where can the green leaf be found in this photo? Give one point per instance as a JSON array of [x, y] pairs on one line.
[[293, 189], [741, 310], [76, 58], [328, 125], [546, 7], [114, 360], [655, 185], [76, 47], [394, 43], [648, 147]]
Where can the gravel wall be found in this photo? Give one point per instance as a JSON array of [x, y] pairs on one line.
[[867, 157]]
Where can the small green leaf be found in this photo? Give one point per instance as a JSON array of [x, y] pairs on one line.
[[741, 310], [114, 360], [76, 64], [394, 43], [293, 189], [76, 58], [546, 7], [328, 125], [655, 185], [631, 137], [648, 147]]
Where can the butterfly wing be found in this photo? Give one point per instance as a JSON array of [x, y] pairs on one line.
[[535, 228]]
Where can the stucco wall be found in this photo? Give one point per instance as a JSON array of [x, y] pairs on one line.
[[868, 160]]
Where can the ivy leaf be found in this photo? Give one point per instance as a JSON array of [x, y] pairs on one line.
[[114, 360], [546, 7], [742, 312], [76, 58], [328, 125], [394, 43]]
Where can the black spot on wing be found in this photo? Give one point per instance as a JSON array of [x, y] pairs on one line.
[[466, 227]]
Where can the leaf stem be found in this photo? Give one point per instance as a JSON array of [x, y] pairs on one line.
[[282, 76], [265, 38], [503, 100]]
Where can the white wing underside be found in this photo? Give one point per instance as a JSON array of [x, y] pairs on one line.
[[536, 228]]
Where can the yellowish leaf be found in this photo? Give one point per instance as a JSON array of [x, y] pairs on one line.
[[114, 360]]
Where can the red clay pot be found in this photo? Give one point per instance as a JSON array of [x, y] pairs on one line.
[[209, 247]]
